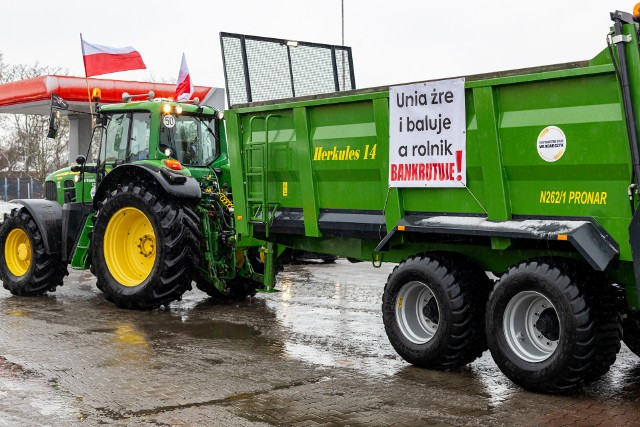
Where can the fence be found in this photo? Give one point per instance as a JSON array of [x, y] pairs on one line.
[[20, 188]]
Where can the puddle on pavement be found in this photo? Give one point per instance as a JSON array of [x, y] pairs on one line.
[[125, 334], [222, 330], [213, 361], [132, 347], [17, 313], [40, 395]]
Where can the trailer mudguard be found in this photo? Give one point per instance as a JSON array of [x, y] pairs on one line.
[[634, 240], [175, 184], [48, 218], [594, 244], [331, 222]]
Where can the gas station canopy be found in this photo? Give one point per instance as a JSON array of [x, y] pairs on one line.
[[33, 96]]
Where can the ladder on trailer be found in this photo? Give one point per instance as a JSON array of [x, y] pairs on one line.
[[256, 166]]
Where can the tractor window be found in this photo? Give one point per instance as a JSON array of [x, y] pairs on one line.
[[192, 139], [140, 128], [115, 139]]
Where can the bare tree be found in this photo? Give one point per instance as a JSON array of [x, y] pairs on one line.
[[25, 147], [2, 67]]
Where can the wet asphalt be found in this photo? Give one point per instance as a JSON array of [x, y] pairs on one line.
[[314, 353]]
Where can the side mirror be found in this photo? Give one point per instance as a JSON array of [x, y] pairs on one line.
[[54, 124], [80, 160], [57, 103], [100, 120]]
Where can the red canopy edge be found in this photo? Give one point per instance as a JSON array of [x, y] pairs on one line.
[[74, 89]]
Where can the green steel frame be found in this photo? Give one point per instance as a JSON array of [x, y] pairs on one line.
[[506, 179]]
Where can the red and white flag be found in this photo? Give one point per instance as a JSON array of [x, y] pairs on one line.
[[184, 89], [99, 59]]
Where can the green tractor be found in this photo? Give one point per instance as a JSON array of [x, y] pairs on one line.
[[153, 214]]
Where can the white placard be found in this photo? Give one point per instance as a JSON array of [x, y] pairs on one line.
[[169, 121], [551, 143], [427, 135]]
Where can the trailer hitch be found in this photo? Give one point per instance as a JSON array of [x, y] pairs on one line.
[[376, 259]]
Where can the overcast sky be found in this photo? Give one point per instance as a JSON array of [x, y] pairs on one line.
[[393, 41]]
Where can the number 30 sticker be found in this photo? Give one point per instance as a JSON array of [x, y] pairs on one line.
[[169, 121]]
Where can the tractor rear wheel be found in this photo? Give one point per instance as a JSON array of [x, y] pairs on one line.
[[146, 247], [25, 267]]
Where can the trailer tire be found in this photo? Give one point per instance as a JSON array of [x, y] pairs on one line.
[[631, 328], [166, 234], [432, 315], [542, 329], [239, 289], [609, 335], [26, 268]]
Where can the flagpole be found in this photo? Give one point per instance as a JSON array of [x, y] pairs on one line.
[[86, 79], [90, 104]]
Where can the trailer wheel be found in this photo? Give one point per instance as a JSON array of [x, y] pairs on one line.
[[632, 331], [541, 327], [26, 268], [240, 288], [432, 312], [609, 321], [145, 247]]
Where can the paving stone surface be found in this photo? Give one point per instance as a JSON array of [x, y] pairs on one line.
[[313, 354]]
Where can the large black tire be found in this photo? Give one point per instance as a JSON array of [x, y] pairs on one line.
[[632, 331], [239, 289], [257, 264], [25, 267], [212, 291], [168, 230], [604, 297], [433, 311], [543, 328]]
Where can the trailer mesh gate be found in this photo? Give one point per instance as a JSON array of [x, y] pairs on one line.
[[263, 69]]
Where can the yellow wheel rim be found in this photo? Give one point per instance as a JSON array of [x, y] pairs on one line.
[[129, 246], [17, 252]]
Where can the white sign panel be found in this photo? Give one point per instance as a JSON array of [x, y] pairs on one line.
[[551, 143], [427, 135]]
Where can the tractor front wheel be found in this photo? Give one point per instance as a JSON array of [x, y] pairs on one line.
[[25, 267], [145, 247]]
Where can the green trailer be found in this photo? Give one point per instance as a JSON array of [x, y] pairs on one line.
[[544, 196]]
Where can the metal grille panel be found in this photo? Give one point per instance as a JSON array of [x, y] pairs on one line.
[[263, 69], [50, 191]]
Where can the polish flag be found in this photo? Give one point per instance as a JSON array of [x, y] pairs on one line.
[[100, 59], [184, 89]]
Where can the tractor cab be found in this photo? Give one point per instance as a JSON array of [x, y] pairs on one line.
[[158, 132]]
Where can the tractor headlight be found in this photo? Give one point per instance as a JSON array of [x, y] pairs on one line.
[[166, 108], [76, 178], [178, 109]]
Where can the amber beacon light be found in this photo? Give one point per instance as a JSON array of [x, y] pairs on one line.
[[96, 94]]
